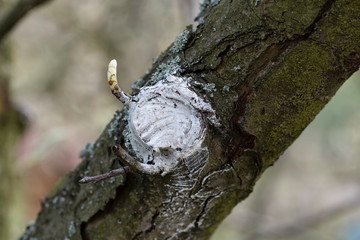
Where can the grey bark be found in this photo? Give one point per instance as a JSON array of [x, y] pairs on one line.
[[267, 68]]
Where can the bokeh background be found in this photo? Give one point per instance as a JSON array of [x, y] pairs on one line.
[[60, 54]]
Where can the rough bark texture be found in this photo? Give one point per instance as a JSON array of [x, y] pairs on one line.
[[267, 68]]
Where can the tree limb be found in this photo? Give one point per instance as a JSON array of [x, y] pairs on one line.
[[16, 13], [267, 68]]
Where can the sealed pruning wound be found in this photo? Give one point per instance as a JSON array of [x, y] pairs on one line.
[[166, 122]]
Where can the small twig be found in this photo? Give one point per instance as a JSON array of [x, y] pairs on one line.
[[15, 13], [110, 174], [126, 159], [131, 164]]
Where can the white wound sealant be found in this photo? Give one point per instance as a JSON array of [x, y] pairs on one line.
[[167, 121]]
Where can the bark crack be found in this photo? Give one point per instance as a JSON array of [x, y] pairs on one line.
[[325, 9], [152, 227], [236, 173], [149, 229], [203, 209], [83, 233]]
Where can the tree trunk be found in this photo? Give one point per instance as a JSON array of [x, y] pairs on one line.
[[266, 68]]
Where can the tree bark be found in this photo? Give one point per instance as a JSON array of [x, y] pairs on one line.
[[267, 68]]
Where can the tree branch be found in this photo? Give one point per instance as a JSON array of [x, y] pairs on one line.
[[16, 13], [265, 70]]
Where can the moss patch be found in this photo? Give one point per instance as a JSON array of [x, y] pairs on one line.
[[299, 86]]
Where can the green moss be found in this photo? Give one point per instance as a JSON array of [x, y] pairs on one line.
[[304, 81], [286, 16], [299, 84], [341, 28]]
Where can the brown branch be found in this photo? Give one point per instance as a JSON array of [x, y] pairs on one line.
[[15, 13], [266, 79], [125, 158]]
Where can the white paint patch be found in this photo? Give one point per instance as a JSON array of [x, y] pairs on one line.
[[167, 121]]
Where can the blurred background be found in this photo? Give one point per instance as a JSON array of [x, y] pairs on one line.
[[59, 55]]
